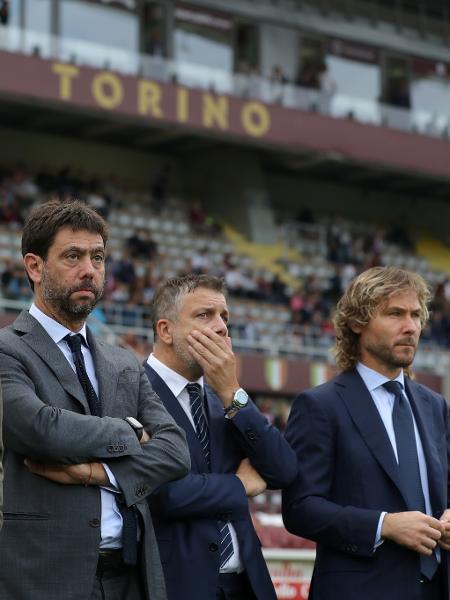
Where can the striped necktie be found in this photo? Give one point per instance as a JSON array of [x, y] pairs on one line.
[[202, 431], [198, 416]]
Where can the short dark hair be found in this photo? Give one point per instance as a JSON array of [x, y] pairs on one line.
[[44, 222], [167, 298]]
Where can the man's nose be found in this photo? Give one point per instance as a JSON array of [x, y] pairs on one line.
[[220, 326], [87, 269], [411, 324]]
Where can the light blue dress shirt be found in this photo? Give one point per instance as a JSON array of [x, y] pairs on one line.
[[111, 519], [384, 401]]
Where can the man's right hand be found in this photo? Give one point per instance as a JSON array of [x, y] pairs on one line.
[[414, 530], [252, 481]]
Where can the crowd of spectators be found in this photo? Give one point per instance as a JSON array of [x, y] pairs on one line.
[[137, 267]]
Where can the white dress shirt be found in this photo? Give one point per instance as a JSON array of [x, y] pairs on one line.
[[111, 519], [384, 401], [177, 385]]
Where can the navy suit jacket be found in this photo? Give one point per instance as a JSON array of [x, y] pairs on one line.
[[347, 475], [186, 513]]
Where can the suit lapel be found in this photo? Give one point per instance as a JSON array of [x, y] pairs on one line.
[[423, 416], [177, 412], [366, 417], [106, 372], [35, 336], [216, 429]]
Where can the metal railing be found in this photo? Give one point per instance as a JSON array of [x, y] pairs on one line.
[[432, 359]]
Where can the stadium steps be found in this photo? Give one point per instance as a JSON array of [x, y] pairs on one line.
[[267, 256], [437, 254]]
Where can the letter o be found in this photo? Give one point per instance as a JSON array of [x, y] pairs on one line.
[[255, 118], [107, 90]]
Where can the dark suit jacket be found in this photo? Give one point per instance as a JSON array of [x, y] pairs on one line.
[[347, 475], [185, 512], [51, 532]]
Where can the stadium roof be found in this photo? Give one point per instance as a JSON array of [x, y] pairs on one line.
[[177, 143]]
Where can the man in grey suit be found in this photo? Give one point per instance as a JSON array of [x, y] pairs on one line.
[[86, 438]]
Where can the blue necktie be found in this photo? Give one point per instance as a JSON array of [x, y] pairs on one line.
[[198, 416], [129, 522], [202, 431], [408, 462], [74, 342]]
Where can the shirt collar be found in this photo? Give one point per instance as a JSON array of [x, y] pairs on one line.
[[54, 329], [374, 380], [174, 381]]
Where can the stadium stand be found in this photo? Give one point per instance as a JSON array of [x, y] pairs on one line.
[[282, 144]]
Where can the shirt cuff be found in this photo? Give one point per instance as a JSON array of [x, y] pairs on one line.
[[378, 538], [114, 486]]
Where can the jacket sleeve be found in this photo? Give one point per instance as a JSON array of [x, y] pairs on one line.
[[219, 496], [49, 434], [164, 458], [269, 453], [308, 508]]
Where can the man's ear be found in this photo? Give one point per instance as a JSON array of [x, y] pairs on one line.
[[355, 328], [34, 266], [164, 331]]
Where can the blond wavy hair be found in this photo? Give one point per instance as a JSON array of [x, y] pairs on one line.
[[365, 295]]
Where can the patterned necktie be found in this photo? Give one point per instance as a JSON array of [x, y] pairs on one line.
[[74, 342], [198, 416], [408, 462], [129, 522], [202, 431]]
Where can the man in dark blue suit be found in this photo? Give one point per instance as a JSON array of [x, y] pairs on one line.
[[371, 444], [208, 546]]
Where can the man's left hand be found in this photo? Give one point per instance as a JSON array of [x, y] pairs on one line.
[[214, 354], [444, 542], [81, 474]]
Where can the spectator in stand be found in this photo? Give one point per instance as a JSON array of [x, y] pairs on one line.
[[159, 187], [97, 200], [279, 290], [14, 282], [200, 261], [234, 281], [197, 215], [400, 236], [277, 81], [4, 12], [141, 245]]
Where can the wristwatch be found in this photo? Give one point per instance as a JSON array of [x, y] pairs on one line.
[[240, 400], [138, 427]]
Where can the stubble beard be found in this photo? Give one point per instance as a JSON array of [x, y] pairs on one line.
[[60, 297], [385, 354], [183, 355]]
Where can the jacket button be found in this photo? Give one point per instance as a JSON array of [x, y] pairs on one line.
[[251, 434], [94, 523], [213, 547]]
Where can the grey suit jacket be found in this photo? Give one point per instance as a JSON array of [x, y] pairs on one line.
[[51, 534]]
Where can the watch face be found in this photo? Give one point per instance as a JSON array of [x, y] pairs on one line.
[[240, 398], [134, 423]]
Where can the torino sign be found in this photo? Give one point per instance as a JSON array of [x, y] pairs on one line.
[[146, 98]]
